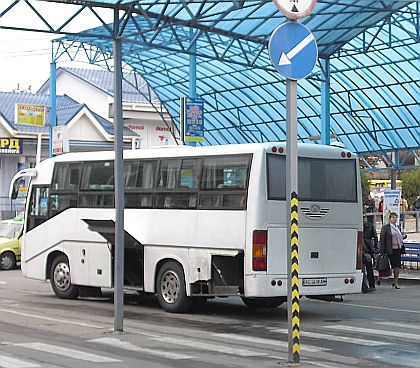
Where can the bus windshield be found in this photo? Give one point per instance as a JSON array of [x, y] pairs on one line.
[[324, 180]]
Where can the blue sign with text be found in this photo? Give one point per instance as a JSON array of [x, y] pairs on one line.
[[194, 120], [293, 50]]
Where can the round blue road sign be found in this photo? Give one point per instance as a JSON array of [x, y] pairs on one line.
[[293, 50]]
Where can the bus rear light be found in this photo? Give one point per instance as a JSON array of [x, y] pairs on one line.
[[346, 281], [359, 250], [348, 154], [352, 280], [259, 250], [343, 154], [274, 149]]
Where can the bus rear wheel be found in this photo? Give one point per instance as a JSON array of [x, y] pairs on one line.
[[61, 280], [259, 303], [171, 290]]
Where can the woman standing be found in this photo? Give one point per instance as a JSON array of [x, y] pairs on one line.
[[391, 242]]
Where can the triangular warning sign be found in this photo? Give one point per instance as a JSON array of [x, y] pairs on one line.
[[294, 9]]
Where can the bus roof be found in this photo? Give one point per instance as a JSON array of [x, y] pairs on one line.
[[304, 149]]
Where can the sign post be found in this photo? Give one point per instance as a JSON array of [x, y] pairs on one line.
[[293, 53]]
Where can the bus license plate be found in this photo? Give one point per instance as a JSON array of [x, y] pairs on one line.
[[314, 282]]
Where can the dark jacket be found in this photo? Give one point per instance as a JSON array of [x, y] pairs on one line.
[[370, 239], [385, 240]]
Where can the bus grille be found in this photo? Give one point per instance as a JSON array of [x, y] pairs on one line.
[[315, 212]]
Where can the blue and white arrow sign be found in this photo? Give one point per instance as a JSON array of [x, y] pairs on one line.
[[293, 50]]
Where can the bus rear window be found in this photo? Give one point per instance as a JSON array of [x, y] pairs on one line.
[[324, 180]]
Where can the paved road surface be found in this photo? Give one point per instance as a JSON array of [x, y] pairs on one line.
[[38, 330]]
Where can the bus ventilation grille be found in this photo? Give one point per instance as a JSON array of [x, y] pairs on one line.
[[315, 212]]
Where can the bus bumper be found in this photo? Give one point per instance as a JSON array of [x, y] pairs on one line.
[[260, 285]]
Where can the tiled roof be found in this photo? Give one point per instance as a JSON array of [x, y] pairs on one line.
[[103, 80], [8, 100], [109, 127]]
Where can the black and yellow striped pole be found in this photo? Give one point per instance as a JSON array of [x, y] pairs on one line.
[[292, 223], [294, 248]]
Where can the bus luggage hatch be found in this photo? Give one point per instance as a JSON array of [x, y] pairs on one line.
[[133, 252]]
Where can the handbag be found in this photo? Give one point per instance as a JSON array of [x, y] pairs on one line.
[[383, 263], [402, 249]]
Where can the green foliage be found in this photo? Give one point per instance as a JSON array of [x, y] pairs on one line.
[[365, 185], [410, 184]]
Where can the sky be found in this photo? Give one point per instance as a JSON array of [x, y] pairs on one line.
[[25, 57]]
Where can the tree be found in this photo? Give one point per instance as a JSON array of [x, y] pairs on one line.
[[410, 184], [364, 178]]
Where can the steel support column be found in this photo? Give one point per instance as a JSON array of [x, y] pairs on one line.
[[394, 170], [193, 74], [118, 179], [53, 102], [193, 67], [325, 101]]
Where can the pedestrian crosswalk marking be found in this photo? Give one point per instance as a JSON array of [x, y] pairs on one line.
[[70, 353], [212, 347], [45, 318], [131, 347], [263, 341], [410, 325], [392, 334], [8, 362], [324, 336]]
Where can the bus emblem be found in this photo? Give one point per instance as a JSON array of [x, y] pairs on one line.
[[315, 208]]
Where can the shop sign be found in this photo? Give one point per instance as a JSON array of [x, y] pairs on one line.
[[27, 114], [11, 146]]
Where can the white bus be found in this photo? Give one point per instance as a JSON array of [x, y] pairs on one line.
[[199, 223]]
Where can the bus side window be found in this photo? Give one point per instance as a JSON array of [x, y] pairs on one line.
[[38, 211], [224, 182], [64, 186]]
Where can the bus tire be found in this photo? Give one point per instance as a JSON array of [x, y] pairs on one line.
[[171, 289], [259, 303], [7, 261], [61, 280]]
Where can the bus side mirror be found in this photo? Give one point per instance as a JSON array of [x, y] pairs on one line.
[[14, 184], [14, 190]]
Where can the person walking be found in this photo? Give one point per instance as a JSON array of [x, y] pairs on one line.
[[416, 204], [403, 210], [369, 207], [391, 243], [381, 209], [370, 246]]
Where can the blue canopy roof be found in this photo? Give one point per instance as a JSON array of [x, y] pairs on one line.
[[373, 48]]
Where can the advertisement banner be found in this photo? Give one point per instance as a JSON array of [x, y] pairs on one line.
[[60, 141], [391, 203], [27, 114], [194, 120], [11, 146]]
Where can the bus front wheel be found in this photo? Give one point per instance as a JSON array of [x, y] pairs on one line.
[[171, 290], [7, 261], [60, 279]]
